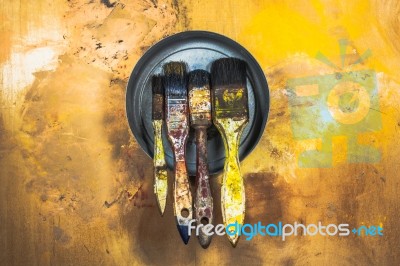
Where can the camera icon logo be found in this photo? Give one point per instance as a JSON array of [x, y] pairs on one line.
[[338, 104]]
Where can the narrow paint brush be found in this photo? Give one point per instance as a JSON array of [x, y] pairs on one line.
[[200, 120], [160, 167], [230, 116], [177, 121]]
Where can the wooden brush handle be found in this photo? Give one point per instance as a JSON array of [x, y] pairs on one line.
[[232, 192], [160, 169], [203, 202], [182, 196]]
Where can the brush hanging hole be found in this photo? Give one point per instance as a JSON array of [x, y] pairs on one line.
[[185, 213], [204, 221]]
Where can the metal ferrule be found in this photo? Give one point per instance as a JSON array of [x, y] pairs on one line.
[[200, 106], [230, 102], [157, 107]]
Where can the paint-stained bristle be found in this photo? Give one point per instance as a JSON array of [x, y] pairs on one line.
[[198, 78], [158, 97], [157, 84], [175, 79], [228, 77], [228, 72]]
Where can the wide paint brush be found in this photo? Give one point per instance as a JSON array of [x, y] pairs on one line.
[[177, 121], [200, 120], [230, 116], [160, 168]]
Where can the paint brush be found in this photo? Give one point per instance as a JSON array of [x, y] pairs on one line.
[[177, 121], [160, 167], [230, 116], [200, 120]]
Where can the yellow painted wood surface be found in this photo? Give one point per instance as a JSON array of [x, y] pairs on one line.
[[75, 187]]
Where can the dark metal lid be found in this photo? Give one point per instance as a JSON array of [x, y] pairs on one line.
[[198, 49]]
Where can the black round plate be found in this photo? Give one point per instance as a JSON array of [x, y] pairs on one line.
[[198, 49]]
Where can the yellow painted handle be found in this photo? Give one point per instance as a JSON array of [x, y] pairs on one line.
[[160, 168], [233, 192]]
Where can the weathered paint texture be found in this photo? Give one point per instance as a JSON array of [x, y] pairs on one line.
[[75, 187]]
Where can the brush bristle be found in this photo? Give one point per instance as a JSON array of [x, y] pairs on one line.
[[228, 72], [198, 78], [157, 84], [158, 97], [175, 79]]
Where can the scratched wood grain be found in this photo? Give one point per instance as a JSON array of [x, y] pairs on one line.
[[75, 187]]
